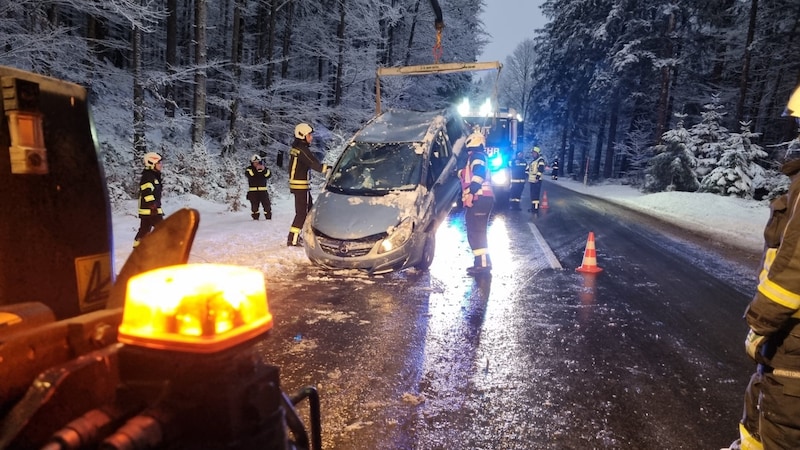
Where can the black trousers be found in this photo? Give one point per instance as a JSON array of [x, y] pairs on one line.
[[477, 221], [260, 198], [146, 225]]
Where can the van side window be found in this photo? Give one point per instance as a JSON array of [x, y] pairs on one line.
[[440, 154]]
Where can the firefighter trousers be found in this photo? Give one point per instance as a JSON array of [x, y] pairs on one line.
[[771, 412]]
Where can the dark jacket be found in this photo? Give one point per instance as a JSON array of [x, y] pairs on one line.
[[476, 177], [257, 178], [150, 193], [775, 309], [301, 160], [519, 169]]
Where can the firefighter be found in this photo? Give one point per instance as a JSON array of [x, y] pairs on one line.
[[478, 200], [257, 175], [519, 168], [535, 173], [150, 212], [554, 169], [301, 160], [771, 418]]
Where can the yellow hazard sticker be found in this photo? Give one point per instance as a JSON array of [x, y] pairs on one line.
[[93, 276]]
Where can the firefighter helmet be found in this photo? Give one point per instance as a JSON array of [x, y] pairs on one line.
[[793, 108], [302, 130], [475, 140], [151, 159], [255, 158], [537, 151]]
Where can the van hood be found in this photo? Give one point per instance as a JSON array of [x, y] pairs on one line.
[[349, 217]]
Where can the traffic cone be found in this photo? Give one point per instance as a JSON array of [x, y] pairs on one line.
[[589, 264], [544, 204]]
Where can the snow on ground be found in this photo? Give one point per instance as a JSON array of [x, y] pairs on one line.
[[230, 237]]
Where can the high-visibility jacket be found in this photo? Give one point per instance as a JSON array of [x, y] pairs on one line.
[[301, 160], [775, 309], [476, 177], [150, 193], [536, 170]]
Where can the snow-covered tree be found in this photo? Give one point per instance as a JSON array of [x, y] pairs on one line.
[[710, 137], [737, 172], [672, 167]]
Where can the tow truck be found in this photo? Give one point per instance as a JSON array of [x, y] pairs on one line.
[[502, 127], [160, 355]]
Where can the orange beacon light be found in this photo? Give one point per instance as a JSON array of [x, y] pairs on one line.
[[195, 308]]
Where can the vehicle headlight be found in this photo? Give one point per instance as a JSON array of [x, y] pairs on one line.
[[500, 177], [397, 237]]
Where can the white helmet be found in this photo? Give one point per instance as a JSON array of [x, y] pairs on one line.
[[255, 158], [302, 130], [151, 159], [475, 140]]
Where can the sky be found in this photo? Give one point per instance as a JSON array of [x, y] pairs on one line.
[[227, 237], [509, 22]]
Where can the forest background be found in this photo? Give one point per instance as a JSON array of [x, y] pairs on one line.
[[661, 94]]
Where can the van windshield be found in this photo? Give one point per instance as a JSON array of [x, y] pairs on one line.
[[377, 168]]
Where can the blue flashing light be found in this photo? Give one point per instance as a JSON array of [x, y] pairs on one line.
[[496, 161]]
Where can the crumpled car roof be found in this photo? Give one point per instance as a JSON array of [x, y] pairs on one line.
[[399, 126]]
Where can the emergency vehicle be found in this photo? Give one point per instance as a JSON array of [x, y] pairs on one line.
[[502, 127]]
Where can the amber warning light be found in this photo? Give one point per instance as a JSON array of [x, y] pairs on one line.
[[197, 308]]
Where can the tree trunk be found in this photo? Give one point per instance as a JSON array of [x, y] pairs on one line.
[[608, 168], [237, 37], [407, 59], [598, 150], [200, 57], [287, 39], [751, 29], [139, 143], [337, 86], [273, 11], [663, 96], [171, 56]]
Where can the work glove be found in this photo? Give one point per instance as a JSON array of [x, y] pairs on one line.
[[753, 344], [467, 200]]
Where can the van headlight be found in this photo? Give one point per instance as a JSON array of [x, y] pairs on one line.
[[397, 237], [500, 178]]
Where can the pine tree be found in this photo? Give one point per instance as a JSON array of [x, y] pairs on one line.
[[737, 172], [672, 168], [711, 137]]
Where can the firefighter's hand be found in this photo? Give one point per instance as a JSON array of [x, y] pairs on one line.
[[753, 344], [467, 200]]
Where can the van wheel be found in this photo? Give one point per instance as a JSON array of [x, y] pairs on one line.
[[427, 252]]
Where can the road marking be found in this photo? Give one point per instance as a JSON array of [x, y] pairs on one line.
[[546, 250]]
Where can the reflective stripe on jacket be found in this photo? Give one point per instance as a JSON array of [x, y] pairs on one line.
[[150, 193], [301, 160], [257, 179], [476, 177]]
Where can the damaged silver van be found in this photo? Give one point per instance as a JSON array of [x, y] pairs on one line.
[[394, 183]]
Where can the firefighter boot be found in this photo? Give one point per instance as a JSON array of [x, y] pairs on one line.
[[483, 264], [294, 239], [254, 215], [267, 215]]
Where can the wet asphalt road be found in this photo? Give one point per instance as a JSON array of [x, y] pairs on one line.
[[647, 354]]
